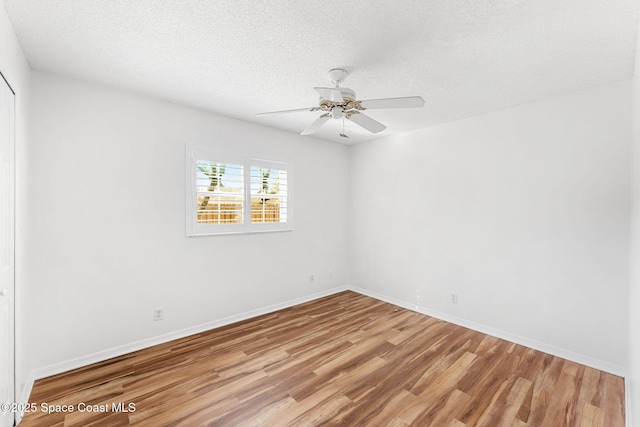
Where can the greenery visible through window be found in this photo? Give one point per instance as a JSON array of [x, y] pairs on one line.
[[236, 194]]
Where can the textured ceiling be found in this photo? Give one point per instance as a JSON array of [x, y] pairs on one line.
[[238, 58]]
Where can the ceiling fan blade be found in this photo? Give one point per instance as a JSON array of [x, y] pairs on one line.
[[330, 93], [286, 111], [315, 125], [406, 102], [367, 122]]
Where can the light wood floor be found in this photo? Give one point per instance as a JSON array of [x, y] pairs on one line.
[[347, 360]]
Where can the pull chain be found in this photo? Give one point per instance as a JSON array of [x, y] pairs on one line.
[[343, 134]]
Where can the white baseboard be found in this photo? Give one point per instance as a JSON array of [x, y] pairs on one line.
[[100, 356], [26, 392], [536, 345]]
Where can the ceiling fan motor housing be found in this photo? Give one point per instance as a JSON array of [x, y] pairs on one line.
[[347, 95]]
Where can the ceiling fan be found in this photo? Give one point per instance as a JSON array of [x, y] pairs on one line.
[[340, 103]]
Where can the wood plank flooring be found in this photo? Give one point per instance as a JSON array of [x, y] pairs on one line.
[[346, 360]]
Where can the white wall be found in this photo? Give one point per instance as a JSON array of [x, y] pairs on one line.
[[633, 379], [521, 212], [108, 234], [14, 67]]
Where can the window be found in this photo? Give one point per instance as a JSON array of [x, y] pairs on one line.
[[232, 193]]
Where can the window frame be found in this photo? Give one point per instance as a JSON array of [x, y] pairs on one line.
[[193, 228]]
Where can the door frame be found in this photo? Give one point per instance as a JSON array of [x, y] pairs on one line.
[[3, 78]]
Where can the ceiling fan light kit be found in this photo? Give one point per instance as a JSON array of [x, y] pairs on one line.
[[341, 103]]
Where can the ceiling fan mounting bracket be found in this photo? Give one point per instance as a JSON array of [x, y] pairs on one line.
[[337, 76]]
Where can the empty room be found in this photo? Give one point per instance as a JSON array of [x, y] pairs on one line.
[[363, 213]]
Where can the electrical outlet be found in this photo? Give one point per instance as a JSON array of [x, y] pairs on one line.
[[330, 274], [312, 278], [158, 312], [453, 299]]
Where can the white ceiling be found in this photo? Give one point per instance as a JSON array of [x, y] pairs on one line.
[[241, 57]]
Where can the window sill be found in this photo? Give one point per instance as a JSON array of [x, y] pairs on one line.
[[229, 233]]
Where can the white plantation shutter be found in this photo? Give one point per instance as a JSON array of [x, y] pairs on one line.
[[231, 193], [269, 192], [220, 192]]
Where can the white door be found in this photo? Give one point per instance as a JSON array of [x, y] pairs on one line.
[[7, 220]]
